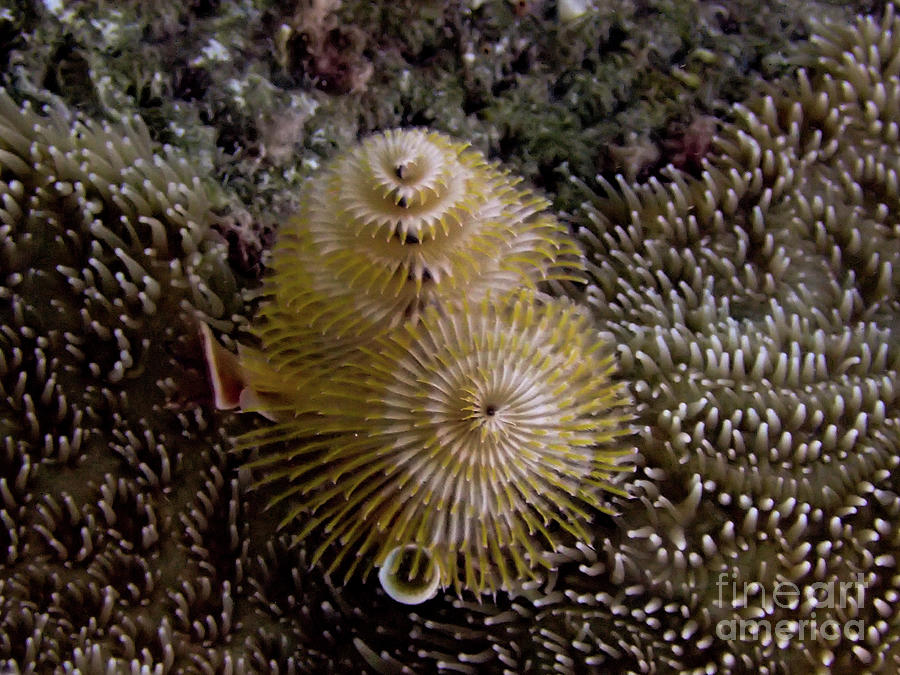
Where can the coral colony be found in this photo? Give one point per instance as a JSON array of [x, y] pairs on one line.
[[447, 380]]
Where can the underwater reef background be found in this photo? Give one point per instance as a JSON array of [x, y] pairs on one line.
[[746, 263]]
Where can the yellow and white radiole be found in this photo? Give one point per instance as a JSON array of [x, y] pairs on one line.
[[436, 415]]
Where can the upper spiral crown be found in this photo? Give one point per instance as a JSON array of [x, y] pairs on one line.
[[407, 219]]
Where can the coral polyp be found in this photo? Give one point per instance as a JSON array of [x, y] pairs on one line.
[[484, 435]]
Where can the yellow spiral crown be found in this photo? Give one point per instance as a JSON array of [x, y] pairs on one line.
[[407, 219], [477, 437]]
